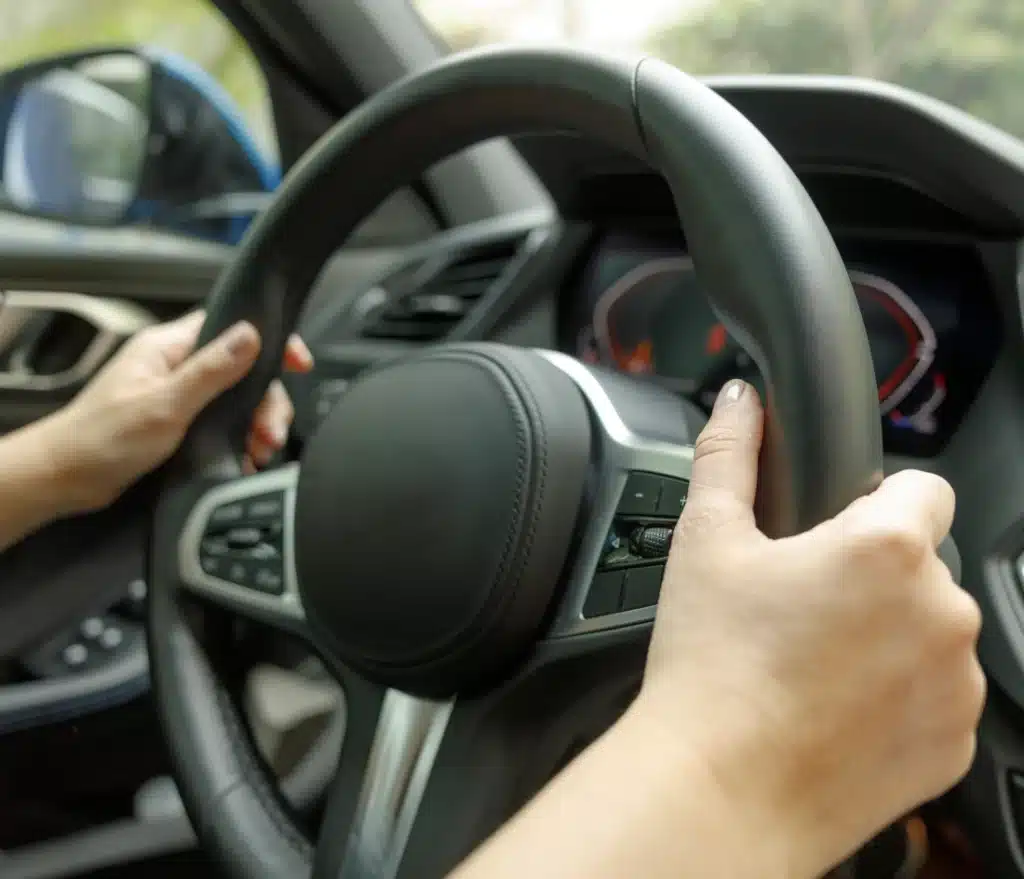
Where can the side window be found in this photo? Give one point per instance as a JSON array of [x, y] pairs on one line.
[[134, 112]]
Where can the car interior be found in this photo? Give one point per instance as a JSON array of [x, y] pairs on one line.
[[551, 259]]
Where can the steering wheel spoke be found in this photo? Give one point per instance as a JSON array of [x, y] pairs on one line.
[[422, 782], [237, 548]]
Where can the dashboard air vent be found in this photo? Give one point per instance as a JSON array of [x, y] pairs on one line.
[[445, 296]]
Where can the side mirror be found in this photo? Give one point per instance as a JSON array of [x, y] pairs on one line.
[[128, 137], [74, 136]]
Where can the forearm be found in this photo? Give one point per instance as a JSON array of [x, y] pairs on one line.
[[631, 806], [36, 480]]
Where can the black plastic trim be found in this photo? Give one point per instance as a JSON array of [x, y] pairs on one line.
[[41, 703]]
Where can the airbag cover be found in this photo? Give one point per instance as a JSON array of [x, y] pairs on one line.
[[435, 512]]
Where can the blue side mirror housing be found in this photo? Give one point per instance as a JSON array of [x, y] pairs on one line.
[[130, 137]]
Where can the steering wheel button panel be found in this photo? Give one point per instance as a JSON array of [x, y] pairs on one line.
[[244, 560], [643, 586]]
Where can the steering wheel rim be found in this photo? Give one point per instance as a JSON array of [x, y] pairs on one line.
[[765, 256]]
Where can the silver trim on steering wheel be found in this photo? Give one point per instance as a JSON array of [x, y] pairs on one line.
[[620, 451], [409, 735]]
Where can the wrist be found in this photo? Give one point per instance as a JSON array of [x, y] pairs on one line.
[[46, 452], [36, 474], [726, 770]]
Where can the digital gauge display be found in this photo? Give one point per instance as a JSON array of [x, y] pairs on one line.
[[652, 319]]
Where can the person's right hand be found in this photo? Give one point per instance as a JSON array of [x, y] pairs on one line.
[[830, 680]]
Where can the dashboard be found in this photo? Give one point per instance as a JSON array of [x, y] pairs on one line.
[[928, 308]]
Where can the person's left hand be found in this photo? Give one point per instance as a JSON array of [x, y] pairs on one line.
[[134, 414]]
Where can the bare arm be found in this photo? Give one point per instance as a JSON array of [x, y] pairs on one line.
[[636, 803], [36, 482]]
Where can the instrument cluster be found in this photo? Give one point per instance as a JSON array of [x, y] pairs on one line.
[[927, 308]]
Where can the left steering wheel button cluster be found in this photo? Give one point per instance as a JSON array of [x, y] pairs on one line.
[[243, 543]]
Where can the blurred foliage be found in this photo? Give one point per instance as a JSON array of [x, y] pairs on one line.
[[34, 29], [969, 53]]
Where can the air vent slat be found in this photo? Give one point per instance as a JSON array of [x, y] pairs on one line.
[[489, 269], [413, 331], [433, 310]]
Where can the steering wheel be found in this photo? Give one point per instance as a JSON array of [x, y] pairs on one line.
[[439, 543]]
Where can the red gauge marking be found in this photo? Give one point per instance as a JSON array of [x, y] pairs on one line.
[[717, 337], [642, 357], [910, 330]]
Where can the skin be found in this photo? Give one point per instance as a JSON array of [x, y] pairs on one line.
[[799, 695], [131, 418]]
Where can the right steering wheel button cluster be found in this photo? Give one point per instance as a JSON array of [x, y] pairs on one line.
[[631, 566], [242, 543]]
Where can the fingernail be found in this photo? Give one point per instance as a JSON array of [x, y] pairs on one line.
[[241, 338], [729, 394], [280, 435]]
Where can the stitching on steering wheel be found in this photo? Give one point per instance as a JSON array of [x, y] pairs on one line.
[[534, 409], [255, 776]]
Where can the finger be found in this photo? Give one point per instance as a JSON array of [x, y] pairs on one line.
[[725, 455], [912, 496], [177, 338], [273, 417], [248, 467], [214, 368], [258, 451], [297, 356]]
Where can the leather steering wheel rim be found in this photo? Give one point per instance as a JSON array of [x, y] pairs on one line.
[[761, 249]]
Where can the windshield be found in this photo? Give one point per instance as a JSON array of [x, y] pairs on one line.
[[969, 53]]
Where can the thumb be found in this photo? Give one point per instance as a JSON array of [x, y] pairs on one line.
[[217, 366], [724, 478]]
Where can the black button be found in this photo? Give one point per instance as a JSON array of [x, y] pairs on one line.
[[226, 514], [673, 496], [640, 496], [265, 507], [243, 537], [605, 595], [267, 577], [217, 546], [264, 552], [642, 587], [237, 572], [213, 565]]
